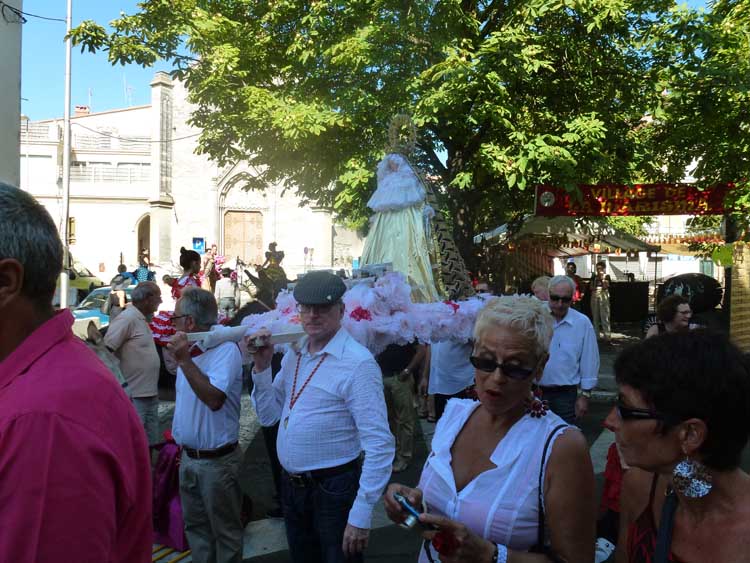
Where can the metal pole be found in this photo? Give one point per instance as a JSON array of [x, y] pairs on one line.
[[66, 163]]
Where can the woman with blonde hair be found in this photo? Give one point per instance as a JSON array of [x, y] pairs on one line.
[[506, 480]]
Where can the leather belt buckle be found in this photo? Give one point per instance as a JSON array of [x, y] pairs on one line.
[[297, 480]]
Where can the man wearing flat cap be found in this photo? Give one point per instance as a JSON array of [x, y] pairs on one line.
[[328, 397]]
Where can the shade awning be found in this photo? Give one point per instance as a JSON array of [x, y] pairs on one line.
[[567, 236]]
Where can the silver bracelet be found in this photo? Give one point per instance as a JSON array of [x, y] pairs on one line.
[[501, 554]]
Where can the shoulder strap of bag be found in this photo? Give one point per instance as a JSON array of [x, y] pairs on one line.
[[666, 526], [540, 529]]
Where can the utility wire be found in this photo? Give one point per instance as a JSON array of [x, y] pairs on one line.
[[134, 140], [20, 14]]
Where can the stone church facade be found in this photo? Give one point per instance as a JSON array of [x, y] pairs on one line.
[[137, 184]]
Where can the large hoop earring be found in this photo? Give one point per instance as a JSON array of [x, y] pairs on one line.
[[692, 479]]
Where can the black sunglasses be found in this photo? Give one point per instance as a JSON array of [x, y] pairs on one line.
[[629, 413], [560, 298], [174, 318], [511, 370]]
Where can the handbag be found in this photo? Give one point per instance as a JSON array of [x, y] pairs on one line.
[[540, 545], [666, 527], [169, 527]]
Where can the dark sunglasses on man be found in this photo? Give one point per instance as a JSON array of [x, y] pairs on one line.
[[553, 297], [511, 370]]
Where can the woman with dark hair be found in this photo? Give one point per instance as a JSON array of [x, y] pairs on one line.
[[190, 261], [673, 315], [161, 324], [682, 418]]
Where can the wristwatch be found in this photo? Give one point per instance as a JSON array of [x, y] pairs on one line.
[[586, 393]]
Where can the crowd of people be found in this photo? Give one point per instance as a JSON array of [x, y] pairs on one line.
[[509, 476]]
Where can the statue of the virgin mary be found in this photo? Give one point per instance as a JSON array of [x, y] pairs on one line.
[[398, 229]]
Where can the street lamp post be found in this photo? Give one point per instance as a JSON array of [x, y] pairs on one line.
[[64, 279]]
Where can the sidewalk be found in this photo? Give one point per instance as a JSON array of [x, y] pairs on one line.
[[265, 538], [622, 336]]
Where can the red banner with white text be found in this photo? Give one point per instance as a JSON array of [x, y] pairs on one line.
[[638, 199]]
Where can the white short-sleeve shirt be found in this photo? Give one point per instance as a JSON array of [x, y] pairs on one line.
[[450, 369], [195, 425]]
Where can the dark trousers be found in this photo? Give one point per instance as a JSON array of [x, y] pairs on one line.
[[442, 400], [562, 401], [269, 437], [316, 515]]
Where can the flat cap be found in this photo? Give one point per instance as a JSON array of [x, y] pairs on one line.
[[319, 288]]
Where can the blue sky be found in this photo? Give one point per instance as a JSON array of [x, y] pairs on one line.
[[43, 62], [109, 87]]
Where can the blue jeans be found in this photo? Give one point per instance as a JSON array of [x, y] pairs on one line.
[[562, 402], [316, 515]]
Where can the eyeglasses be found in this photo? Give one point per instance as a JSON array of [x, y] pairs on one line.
[[560, 298], [629, 413], [318, 309], [511, 370], [174, 318]]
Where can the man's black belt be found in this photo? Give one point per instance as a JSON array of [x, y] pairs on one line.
[[558, 388], [210, 454], [310, 477]]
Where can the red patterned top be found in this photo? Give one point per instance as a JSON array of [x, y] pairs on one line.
[[161, 324], [642, 534], [612, 481]]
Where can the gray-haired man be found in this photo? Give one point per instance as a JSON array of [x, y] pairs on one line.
[[207, 425], [573, 355], [130, 338], [329, 398]]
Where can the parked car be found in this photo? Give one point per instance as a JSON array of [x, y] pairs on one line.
[[83, 280], [96, 305]]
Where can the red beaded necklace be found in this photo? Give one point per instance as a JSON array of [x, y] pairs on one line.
[[293, 398]]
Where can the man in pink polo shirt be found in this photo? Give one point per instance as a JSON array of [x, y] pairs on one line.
[[75, 481]]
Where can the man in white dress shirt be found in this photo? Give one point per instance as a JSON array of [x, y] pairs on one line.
[[207, 424], [329, 398], [448, 372], [573, 355]]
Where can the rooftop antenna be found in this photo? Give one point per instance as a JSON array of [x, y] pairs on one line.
[[128, 91]]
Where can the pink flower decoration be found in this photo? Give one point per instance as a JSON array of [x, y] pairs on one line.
[[360, 314], [452, 304]]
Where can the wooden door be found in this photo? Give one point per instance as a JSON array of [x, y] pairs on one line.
[[243, 236]]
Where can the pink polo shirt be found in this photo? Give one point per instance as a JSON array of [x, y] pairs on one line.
[[75, 477]]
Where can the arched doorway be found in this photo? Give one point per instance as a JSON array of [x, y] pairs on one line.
[[144, 237]]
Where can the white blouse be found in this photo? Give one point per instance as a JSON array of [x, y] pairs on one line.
[[500, 504]]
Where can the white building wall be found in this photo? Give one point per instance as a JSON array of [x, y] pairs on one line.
[[192, 203], [193, 180], [10, 95]]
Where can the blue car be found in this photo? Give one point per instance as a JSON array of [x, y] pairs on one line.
[[96, 305]]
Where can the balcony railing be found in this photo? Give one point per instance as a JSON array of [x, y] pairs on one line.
[[105, 142], [110, 174], [35, 132], [52, 132]]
